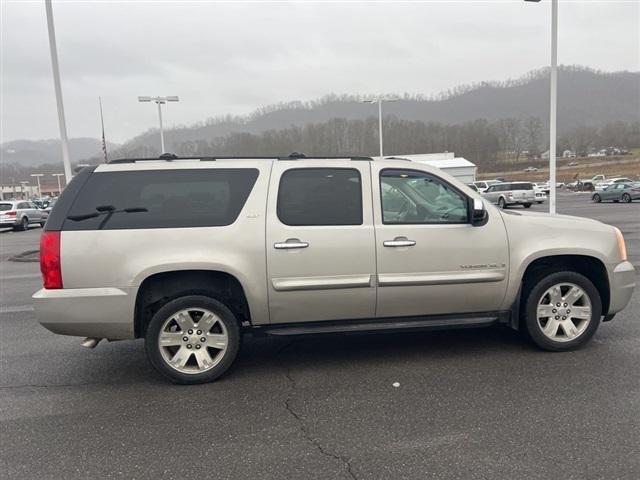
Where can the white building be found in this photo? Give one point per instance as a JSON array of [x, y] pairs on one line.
[[458, 167]]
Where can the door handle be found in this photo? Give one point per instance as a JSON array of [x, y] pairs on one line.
[[290, 243], [399, 242]]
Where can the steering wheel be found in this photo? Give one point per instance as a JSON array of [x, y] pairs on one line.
[[445, 214]]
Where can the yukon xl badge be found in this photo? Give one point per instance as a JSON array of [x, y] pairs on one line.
[[481, 266]]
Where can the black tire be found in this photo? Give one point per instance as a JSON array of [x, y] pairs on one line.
[[23, 226], [502, 203], [526, 205], [533, 292], [626, 198], [185, 302], [42, 224], [596, 198]]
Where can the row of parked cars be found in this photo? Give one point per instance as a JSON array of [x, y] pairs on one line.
[[20, 214], [506, 194]]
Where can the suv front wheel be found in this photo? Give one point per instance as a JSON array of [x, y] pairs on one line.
[[562, 311], [192, 339]]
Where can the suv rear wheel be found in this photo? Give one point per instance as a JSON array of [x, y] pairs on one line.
[[502, 203], [192, 339], [562, 311], [23, 226]]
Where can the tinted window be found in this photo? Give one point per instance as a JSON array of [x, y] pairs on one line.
[[410, 197], [320, 196], [24, 205], [161, 199], [4, 207], [522, 186]]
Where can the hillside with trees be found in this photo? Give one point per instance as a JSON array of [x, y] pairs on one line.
[[487, 123]]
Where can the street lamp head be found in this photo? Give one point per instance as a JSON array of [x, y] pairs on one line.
[[534, 1], [144, 99], [172, 98]]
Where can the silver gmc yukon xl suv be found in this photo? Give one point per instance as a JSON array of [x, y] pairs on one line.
[[189, 254]]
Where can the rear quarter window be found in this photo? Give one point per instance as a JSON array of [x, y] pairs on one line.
[[161, 199]]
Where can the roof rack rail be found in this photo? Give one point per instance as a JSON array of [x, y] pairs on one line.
[[169, 157]]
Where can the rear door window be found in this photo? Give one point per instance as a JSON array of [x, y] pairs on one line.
[[161, 199], [320, 196]]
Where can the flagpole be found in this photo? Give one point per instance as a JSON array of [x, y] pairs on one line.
[[104, 142]]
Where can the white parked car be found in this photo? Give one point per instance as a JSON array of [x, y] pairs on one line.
[[482, 185], [540, 190]]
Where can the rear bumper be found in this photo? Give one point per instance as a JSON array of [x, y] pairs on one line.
[[622, 281], [87, 312], [6, 223], [521, 201]]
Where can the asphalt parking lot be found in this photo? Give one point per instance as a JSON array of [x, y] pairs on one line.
[[470, 403]]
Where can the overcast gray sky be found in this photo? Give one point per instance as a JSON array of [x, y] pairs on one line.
[[232, 57]]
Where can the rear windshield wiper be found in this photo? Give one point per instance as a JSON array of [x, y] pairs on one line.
[[107, 210]]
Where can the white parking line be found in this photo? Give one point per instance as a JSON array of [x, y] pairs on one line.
[[18, 277], [17, 309]]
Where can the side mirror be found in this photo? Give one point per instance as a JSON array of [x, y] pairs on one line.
[[479, 214]]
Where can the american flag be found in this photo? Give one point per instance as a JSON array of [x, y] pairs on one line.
[[104, 142]]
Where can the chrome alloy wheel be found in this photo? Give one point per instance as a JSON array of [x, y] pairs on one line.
[[193, 340], [564, 312]]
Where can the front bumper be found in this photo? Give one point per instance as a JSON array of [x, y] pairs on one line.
[[87, 312], [622, 281]]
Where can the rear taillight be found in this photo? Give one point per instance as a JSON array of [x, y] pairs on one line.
[[10, 214], [50, 260]]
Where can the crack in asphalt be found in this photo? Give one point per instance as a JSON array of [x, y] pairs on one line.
[[303, 427]]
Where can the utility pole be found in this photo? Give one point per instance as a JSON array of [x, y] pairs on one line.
[[66, 159]]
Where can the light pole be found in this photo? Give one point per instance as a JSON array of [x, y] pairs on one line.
[[159, 101], [22, 185], [553, 107], [58, 89], [38, 175], [58, 175], [379, 101]]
